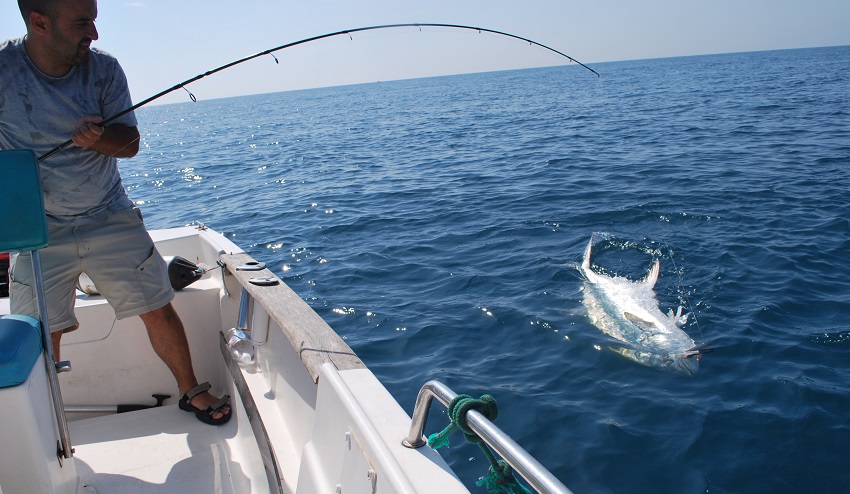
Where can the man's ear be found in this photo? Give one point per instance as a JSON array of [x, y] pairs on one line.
[[39, 22]]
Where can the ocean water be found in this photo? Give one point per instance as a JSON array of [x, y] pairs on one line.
[[436, 225]]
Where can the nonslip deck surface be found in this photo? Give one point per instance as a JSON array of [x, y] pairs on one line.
[[162, 450]]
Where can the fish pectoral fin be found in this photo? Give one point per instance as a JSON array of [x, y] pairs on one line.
[[625, 352], [638, 321]]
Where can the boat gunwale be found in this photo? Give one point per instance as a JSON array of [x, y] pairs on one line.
[[313, 339]]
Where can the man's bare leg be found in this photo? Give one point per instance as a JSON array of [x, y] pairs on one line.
[[168, 338], [55, 339]]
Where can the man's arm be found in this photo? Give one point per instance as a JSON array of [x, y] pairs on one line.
[[119, 141]]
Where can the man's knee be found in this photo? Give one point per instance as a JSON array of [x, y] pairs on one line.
[[164, 315]]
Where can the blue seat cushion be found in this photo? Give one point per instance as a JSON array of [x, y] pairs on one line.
[[20, 347]]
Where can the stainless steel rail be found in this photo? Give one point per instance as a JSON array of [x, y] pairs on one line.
[[523, 463], [65, 450]]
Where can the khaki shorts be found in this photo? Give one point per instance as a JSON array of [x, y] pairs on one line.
[[116, 253]]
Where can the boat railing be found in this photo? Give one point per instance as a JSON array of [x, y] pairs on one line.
[[520, 460]]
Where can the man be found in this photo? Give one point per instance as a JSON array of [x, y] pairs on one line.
[[55, 85]]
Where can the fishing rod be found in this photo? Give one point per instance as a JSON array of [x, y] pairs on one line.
[[301, 42]]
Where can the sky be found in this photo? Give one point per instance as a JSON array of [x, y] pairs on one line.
[[161, 43]]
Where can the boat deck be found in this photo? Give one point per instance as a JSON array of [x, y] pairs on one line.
[[163, 450]]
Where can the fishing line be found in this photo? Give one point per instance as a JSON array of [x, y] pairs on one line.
[[137, 139], [308, 40], [690, 306]]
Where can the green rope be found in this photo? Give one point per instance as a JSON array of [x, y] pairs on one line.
[[501, 480], [500, 476]]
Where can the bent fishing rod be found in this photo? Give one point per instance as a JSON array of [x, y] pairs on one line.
[[301, 42]]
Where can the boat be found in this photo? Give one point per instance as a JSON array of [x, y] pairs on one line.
[[308, 415]]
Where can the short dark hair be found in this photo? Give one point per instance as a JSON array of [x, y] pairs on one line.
[[46, 7]]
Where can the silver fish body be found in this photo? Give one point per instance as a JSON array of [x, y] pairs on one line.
[[628, 312]]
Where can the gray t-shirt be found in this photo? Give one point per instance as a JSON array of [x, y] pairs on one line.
[[39, 112]]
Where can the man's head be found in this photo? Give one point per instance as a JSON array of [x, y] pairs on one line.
[[45, 7], [59, 32]]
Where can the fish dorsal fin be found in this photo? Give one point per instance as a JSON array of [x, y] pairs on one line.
[[652, 276], [585, 262], [638, 321]]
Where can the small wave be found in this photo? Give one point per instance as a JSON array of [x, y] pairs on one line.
[[838, 338]]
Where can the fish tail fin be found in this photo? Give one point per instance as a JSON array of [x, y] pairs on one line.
[[678, 318], [681, 319]]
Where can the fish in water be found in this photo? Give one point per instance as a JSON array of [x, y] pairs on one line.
[[628, 311]]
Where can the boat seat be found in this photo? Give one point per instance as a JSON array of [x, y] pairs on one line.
[[21, 339], [20, 347], [32, 415], [25, 230]]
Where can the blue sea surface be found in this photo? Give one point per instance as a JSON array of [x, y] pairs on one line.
[[436, 224]]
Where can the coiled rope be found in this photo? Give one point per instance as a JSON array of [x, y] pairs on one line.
[[500, 477]]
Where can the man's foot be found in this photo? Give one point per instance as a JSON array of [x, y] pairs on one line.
[[206, 407]]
